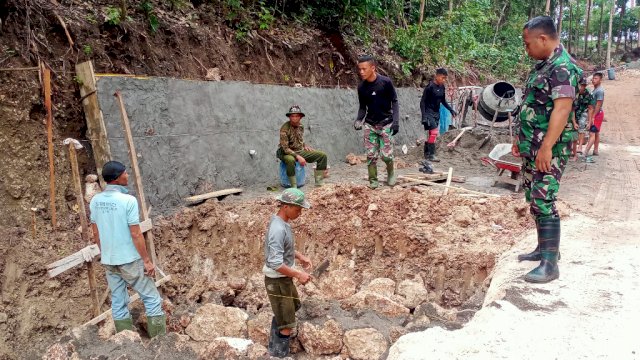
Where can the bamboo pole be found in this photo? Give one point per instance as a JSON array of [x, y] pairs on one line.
[[52, 178]]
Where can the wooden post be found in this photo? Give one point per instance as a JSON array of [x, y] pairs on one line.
[[96, 130], [77, 183], [133, 157], [46, 76], [93, 287]]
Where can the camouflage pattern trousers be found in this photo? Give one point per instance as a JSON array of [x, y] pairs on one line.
[[541, 189], [377, 142]]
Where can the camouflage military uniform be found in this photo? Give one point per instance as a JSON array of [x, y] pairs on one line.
[[581, 107], [556, 77], [292, 144], [378, 143]]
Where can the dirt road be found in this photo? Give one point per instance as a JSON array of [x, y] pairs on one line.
[[591, 311]]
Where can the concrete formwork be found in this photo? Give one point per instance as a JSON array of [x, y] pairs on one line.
[[188, 133]]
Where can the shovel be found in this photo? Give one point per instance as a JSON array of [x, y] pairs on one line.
[[455, 141]]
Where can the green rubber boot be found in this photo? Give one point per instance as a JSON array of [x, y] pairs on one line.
[[124, 324], [373, 176], [293, 182], [391, 174], [156, 325], [535, 254], [319, 177], [549, 242]]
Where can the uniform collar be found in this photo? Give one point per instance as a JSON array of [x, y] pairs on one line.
[[120, 188], [554, 55]]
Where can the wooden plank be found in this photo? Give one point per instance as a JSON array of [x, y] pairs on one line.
[[133, 158], [71, 261], [450, 187], [93, 287], [146, 225], [77, 182], [105, 315], [448, 184], [96, 130], [46, 78], [210, 195]]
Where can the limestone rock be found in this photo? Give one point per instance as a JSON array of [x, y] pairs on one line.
[[125, 336], [107, 330], [61, 352], [353, 159], [376, 302], [212, 321], [365, 344], [462, 216], [257, 351], [338, 285], [383, 286], [225, 348], [259, 327], [413, 293], [323, 340], [395, 332]]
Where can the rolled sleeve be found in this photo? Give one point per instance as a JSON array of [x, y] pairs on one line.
[[133, 217], [275, 253], [561, 85]]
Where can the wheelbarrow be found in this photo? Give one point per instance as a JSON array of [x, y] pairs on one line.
[[513, 169]]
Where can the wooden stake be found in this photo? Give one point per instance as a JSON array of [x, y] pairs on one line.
[[446, 189], [450, 187], [77, 183], [93, 287], [52, 178], [133, 157]]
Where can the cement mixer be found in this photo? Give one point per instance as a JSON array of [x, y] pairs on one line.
[[500, 97]]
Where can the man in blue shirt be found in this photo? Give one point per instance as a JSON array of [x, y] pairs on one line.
[[116, 230]]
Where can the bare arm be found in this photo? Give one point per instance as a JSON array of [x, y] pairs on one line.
[[590, 115], [598, 106], [557, 122], [138, 242]]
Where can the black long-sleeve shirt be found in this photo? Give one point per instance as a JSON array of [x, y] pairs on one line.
[[432, 97], [378, 101]]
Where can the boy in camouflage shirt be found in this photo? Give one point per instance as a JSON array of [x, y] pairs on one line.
[[583, 110]]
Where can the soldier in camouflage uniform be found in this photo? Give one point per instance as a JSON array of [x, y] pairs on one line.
[[583, 109], [544, 142], [292, 148]]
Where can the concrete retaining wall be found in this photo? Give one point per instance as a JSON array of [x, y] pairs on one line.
[[188, 133]]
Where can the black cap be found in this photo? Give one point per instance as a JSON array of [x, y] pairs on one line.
[[112, 170]]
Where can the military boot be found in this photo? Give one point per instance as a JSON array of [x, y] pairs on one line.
[[549, 242], [293, 182], [391, 174], [535, 254], [432, 153], [124, 324], [319, 177], [156, 325], [373, 176]]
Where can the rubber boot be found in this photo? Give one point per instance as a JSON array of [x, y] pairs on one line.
[[156, 325], [280, 347], [124, 324], [293, 182], [535, 254], [373, 176], [549, 240], [432, 153], [427, 152], [319, 176], [272, 334], [391, 174]]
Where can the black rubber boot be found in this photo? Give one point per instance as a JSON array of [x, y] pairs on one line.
[[272, 334], [432, 153], [535, 254], [426, 151], [549, 242]]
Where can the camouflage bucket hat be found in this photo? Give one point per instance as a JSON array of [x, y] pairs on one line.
[[294, 197], [295, 109]]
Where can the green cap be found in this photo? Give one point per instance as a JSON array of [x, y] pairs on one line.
[[294, 197]]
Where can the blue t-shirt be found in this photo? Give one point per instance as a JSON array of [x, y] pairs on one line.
[[113, 210]]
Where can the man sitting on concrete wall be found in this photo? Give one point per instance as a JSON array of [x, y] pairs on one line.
[[292, 148]]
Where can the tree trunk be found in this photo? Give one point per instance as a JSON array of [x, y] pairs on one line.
[[623, 10], [450, 6], [570, 27], [600, 31], [561, 13], [610, 38], [586, 29], [422, 3], [547, 8]]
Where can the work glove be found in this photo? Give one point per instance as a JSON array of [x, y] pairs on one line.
[[454, 113], [394, 128], [358, 124]]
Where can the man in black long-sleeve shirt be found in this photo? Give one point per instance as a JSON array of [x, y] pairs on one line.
[[379, 112], [432, 97]]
